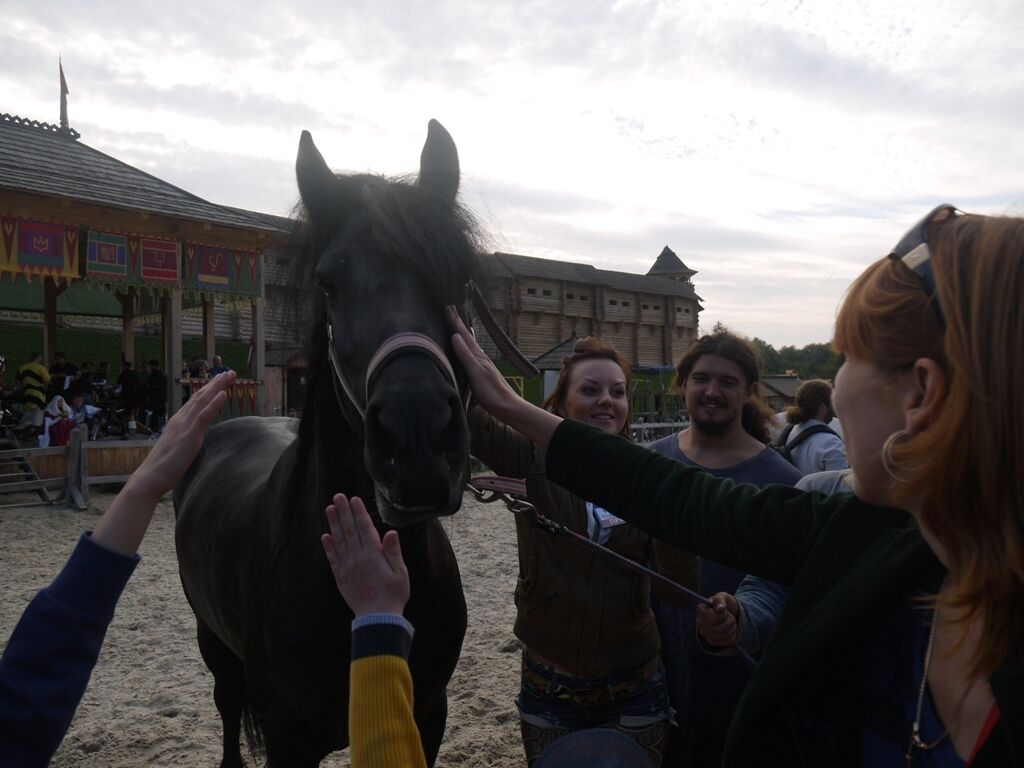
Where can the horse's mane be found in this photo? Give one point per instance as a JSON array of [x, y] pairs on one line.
[[438, 241]]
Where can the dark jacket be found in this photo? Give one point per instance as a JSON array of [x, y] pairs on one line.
[[48, 660], [845, 559], [576, 609], [156, 391]]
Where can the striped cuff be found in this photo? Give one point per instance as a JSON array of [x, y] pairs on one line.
[[382, 618], [389, 635]]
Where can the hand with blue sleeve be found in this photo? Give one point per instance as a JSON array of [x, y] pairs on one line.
[[49, 658], [746, 619]]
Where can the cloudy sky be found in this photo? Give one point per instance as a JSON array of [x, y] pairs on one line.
[[777, 146]]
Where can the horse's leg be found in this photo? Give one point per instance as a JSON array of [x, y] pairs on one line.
[[431, 719], [228, 690], [291, 743]]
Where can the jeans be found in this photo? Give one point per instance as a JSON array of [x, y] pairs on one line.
[[554, 709]]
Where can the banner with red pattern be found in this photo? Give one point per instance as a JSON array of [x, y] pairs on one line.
[[241, 396], [159, 261]]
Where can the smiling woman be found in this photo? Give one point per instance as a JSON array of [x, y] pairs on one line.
[[593, 387], [591, 656]]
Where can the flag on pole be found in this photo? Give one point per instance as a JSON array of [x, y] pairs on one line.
[[63, 95]]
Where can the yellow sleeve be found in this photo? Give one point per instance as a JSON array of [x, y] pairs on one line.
[[381, 729]]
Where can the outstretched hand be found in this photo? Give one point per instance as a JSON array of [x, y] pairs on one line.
[[182, 437], [125, 522], [370, 572], [493, 391]]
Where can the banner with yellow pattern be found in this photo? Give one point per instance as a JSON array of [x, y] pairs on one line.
[[38, 248]]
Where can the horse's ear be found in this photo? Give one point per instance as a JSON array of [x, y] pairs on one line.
[[439, 162], [318, 186]]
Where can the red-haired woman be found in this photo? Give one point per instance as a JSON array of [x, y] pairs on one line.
[[903, 638], [591, 656]]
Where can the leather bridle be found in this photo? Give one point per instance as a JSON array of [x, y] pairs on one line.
[[408, 341]]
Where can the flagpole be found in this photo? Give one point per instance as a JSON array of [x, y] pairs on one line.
[[63, 95]]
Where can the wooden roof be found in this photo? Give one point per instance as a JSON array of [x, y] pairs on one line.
[[552, 359], [567, 271], [43, 159], [668, 263], [785, 384]]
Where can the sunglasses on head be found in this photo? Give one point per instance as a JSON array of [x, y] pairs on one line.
[[912, 250]]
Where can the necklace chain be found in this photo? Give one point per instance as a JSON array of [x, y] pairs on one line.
[[915, 741]]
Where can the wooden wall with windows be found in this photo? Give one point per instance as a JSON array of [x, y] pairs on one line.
[[647, 326]]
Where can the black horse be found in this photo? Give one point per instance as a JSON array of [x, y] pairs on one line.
[[384, 420]]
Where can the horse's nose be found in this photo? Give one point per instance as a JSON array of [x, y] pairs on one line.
[[416, 438]]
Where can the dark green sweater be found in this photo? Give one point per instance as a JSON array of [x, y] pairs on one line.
[[844, 559]]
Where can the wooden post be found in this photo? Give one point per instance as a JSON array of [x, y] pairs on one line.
[[170, 330], [83, 467], [638, 319], [675, 350], [73, 474], [209, 331], [259, 357], [50, 293], [127, 301]]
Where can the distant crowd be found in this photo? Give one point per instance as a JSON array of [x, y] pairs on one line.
[[47, 403]]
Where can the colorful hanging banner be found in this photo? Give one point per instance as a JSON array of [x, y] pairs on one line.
[[8, 226], [107, 257], [159, 261], [38, 248], [189, 268], [212, 269]]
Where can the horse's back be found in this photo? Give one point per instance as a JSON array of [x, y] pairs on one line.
[[222, 529], [237, 456]]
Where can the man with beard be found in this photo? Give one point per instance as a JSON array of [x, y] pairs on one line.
[[719, 379]]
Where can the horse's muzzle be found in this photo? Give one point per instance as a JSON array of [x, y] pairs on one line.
[[417, 442]]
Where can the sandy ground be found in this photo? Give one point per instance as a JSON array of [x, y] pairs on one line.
[[150, 701]]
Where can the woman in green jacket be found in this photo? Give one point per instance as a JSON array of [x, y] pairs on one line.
[[903, 638]]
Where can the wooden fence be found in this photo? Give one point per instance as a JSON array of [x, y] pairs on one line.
[[69, 469]]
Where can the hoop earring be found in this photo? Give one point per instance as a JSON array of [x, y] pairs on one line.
[[888, 463]]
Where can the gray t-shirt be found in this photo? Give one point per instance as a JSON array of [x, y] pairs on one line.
[[705, 689], [761, 469]]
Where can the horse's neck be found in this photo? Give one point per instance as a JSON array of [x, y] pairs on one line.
[[335, 463]]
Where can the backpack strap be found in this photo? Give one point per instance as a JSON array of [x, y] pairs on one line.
[[784, 436], [785, 447], [811, 431]]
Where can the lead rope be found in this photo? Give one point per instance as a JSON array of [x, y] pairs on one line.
[[512, 493]]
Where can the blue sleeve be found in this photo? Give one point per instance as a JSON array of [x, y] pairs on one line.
[[833, 454], [761, 603], [46, 665]]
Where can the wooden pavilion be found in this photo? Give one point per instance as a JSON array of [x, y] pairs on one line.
[[84, 233]]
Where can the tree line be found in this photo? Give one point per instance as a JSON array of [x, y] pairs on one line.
[[814, 361]]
